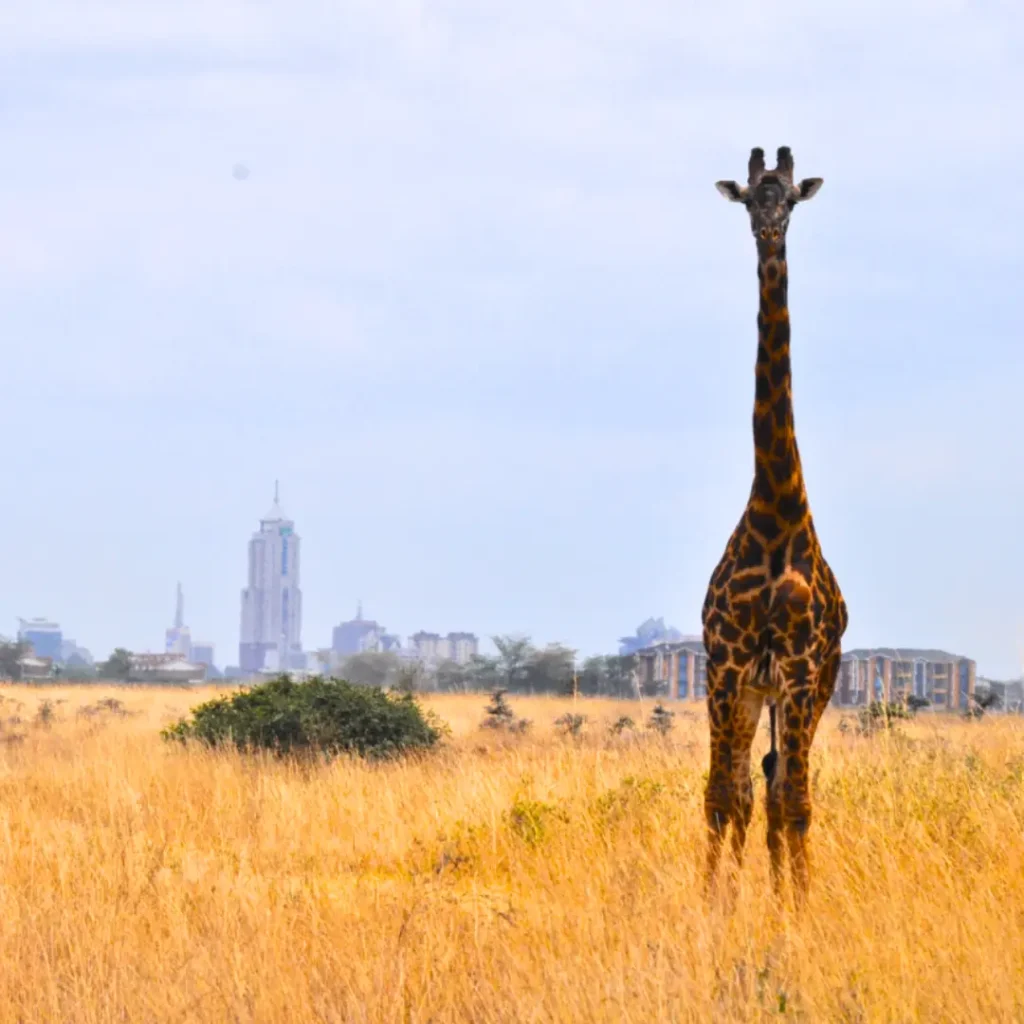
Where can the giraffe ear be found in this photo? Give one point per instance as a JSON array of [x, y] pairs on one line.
[[806, 189], [733, 192]]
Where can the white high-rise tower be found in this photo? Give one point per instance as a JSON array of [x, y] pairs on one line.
[[272, 602]]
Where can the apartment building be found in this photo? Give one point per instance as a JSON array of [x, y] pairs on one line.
[[677, 669], [894, 673], [432, 648]]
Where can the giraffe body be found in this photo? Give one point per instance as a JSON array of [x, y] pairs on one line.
[[773, 616]]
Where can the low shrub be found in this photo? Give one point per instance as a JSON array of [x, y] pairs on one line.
[[880, 716], [323, 716], [622, 724], [571, 724], [662, 720], [499, 715], [982, 702]]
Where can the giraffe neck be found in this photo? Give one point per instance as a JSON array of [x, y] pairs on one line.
[[778, 476]]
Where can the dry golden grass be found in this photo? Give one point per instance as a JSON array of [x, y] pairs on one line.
[[536, 879]]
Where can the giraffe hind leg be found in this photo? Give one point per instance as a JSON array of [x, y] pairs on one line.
[[747, 714], [790, 799], [795, 803]]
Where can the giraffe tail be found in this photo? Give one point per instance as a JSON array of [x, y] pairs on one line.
[[769, 761]]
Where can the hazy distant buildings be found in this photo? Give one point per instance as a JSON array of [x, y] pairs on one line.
[[43, 636], [678, 669], [164, 668], [75, 656], [675, 668], [893, 673], [462, 647], [49, 646], [36, 668], [360, 635], [1010, 693], [426, 646], [272, 601], [432, 648], [178, 639], [179, 643], [650, 632], [201, 653]]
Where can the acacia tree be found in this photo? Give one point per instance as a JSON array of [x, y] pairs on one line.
[[513, 655], [11, 653], [608, 675], [450, 677], [118, 666], [483, 673], [551, 669]]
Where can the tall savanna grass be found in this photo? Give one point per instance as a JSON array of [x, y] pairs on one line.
[[505, 878]]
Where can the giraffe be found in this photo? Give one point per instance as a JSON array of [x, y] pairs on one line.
[[773, 616]]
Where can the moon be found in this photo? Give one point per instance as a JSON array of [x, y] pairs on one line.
[[240, 172]]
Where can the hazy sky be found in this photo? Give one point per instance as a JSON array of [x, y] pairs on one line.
[[480, 309]]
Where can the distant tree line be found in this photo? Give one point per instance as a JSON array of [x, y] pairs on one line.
[[518, 667]]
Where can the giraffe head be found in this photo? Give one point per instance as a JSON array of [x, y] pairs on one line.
[[769, 197]]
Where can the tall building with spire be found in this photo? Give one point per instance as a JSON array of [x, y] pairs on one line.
[[272, 601], [178, 639]]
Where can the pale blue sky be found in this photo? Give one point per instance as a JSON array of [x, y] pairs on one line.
[[480, 308]]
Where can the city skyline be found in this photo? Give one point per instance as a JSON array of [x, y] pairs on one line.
[[274, 552], [273, 568], [477, 301]]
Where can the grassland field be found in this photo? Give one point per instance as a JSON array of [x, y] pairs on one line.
[[529, 878]]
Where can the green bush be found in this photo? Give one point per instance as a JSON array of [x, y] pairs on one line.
[[326, 716]]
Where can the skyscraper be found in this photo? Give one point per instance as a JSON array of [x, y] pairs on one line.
[[272, 602], [45, 637], [177, 639]]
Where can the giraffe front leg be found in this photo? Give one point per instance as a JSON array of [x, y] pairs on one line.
[[733, 710], [718, 803], [743, 804], [746, 716]]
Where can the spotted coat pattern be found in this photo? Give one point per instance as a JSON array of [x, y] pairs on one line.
[[773, 616]]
